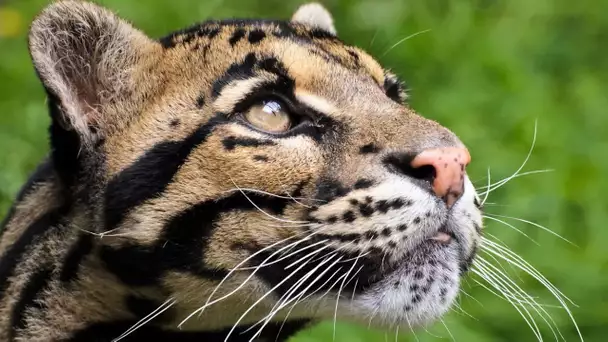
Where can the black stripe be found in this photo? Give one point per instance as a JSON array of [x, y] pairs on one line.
[[13, 255], [237, 71], [149, 176], [43, 172], [231, 142], [36, 283], [78, 252], [141, 307], [182, 242], [321, 279], [189, 34], [104, 332]]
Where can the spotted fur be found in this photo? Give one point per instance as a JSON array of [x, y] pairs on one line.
[[156, 189]]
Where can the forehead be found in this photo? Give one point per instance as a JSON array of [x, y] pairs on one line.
[[306, 52]]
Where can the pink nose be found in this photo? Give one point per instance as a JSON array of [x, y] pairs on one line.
[[449, 164]]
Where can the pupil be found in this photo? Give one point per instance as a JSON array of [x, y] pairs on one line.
[[272, 107]]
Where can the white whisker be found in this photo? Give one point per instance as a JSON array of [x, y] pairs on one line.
[[162, 308], [403, 40], [506, 180], [512, 227], [520, 263], [534, 224]]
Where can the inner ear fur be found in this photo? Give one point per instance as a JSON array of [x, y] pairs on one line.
[[87, 59]]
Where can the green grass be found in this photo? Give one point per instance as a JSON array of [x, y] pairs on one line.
[[487, 69]]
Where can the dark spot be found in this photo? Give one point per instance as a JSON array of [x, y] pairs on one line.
[[428, 214], [416, 299], [443, 292], [200, 101], [402, 227], [256, 36], [382, 206], [392, 244], [418, 274], [214, 32], [397, 203], [386, 232], [369, 148], [396, 284], [328, 190], [426, 289], [231, 142], [354, 55], [332, 219], [366, 209], [353, 201], [260, 158], [417, 220], [414, 288], [370, 235], [348, 216], [237, 35], [408, 308], [174, 123], [477, 227], [363, 183], [368, 199]]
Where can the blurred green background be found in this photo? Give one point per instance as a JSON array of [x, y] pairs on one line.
[[487, 69]]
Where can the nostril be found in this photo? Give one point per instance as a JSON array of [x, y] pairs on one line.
[[425, 173], [402, 163], [442, 170]]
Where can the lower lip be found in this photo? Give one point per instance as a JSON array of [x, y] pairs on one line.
[[442, 238]]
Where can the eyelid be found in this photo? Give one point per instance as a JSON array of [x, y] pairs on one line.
[[239, 91]]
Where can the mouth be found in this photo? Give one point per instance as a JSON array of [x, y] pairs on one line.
[[444, 236]]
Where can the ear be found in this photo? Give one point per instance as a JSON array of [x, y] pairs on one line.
[[316, 16], [86, 57]]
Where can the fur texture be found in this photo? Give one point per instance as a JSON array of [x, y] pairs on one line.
[[157, 190]]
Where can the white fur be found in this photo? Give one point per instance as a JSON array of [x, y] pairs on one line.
[[315, 15]]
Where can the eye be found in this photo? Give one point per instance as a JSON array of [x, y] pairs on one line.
[[270, 116]]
